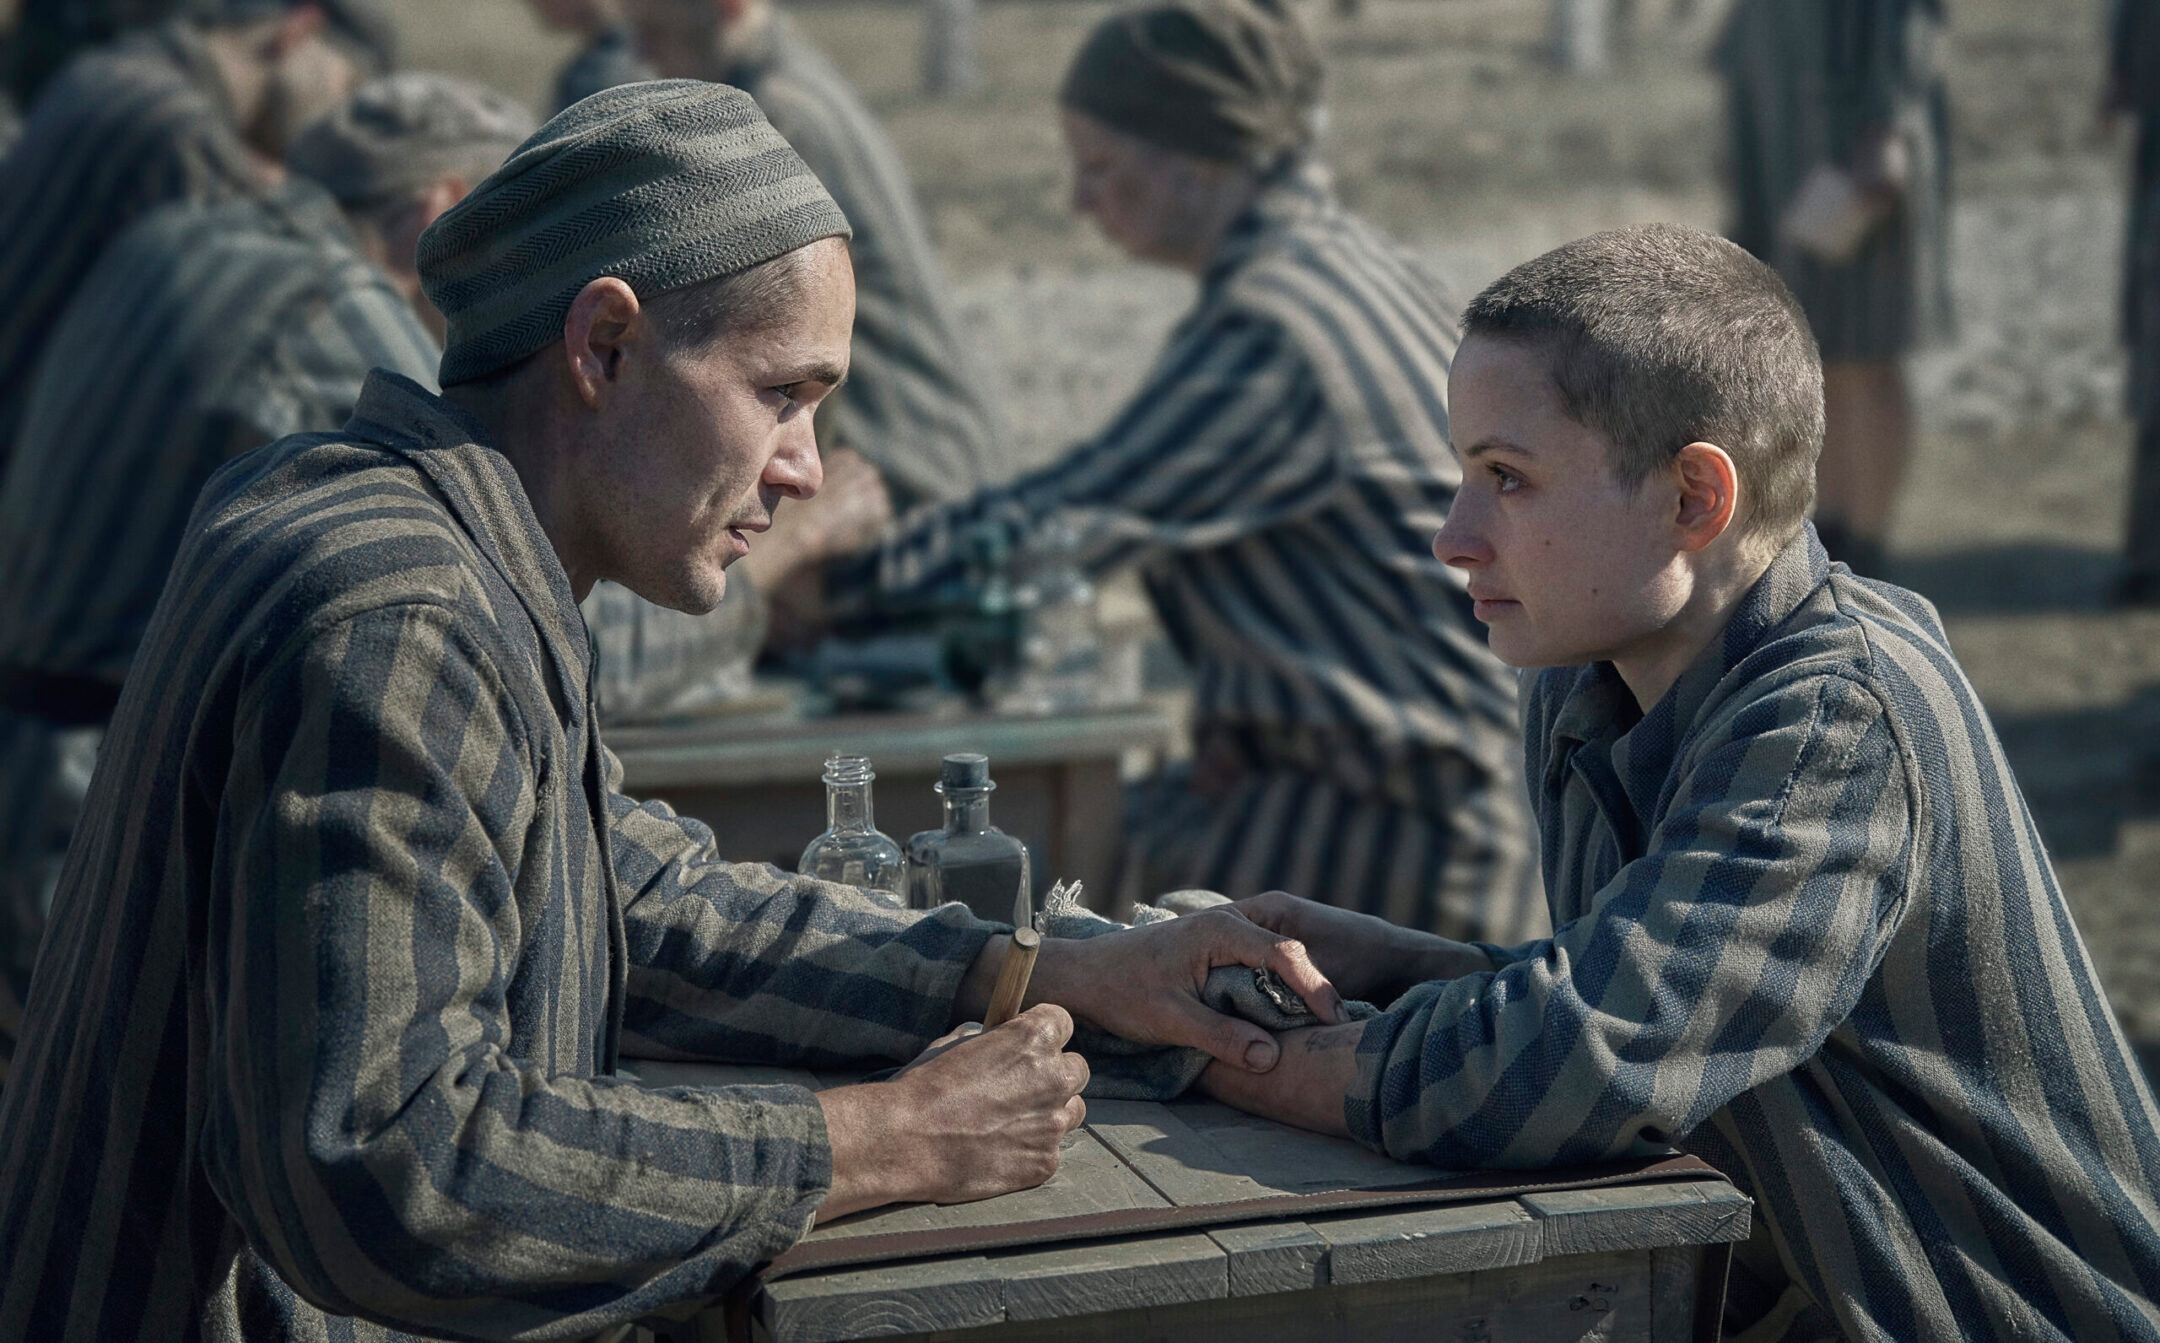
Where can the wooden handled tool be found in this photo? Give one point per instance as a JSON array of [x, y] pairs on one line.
[[1013, 976]]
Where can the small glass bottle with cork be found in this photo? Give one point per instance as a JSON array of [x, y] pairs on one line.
[[970, 860]]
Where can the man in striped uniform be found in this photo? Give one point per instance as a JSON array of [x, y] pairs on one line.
[[190, 111], [324, 1040], [207, 330], [1274, 479], [1806, 926], [2133, 90], [1839, 160], [607, 55]]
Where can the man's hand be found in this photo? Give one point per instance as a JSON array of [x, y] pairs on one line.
[[1318, 1069], [980, 1113], [1367, 958], [1144, 983]]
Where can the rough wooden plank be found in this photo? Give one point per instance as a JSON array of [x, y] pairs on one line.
[[1640, 1217], [1090, 1178], [1200, 1152], [1090, 1279], [1675, 1281], [1454, 1238], [883, 1301], [1273, 1257], [1534, 1303]]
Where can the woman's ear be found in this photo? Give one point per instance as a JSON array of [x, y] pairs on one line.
[[1709, 488]]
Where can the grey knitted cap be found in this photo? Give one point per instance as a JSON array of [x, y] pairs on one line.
[[662, 185], [398, 133]]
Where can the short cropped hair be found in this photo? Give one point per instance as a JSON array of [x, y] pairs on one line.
[[1661, 336], [696, 317]]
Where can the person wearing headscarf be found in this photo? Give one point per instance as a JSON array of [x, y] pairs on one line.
[[607, 54], [1276, 480], [1839, 159], [198, 109], [206, 330], [324, 1039], [2133, 91]]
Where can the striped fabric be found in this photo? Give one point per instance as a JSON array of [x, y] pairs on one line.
[[1279, 480], [205, 330], [10, 125], [357, 926], [1808, 931], [1807, 81], [651, 663], [915, 402], [121, 132], [609, 59]]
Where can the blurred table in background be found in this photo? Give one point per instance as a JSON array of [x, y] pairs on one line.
[[757, 783]]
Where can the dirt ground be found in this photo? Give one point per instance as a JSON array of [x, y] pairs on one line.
[[1449, 127]]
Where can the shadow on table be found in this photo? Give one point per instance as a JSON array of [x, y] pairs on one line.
[[2012, 578]]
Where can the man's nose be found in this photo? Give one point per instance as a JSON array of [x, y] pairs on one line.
[[796, 469]]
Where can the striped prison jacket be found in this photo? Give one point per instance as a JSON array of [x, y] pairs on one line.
[[1807, 81], [1807, 931], [357, 924], [206, 329], [122, 131], [1278, 479]]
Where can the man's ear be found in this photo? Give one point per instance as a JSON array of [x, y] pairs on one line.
[[605, 322], [1709, 489]]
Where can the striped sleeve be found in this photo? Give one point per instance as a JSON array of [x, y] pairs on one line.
[[1230, 436], [367, 1130], [744, 963], [1720, 959]]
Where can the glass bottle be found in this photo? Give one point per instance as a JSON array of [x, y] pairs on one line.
[[970, 860], [1060, 651], [851, 851]]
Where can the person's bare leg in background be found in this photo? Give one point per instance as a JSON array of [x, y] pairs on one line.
[[1866, 442]]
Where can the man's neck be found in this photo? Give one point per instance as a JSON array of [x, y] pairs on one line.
[[516, 422], [1719, 584]]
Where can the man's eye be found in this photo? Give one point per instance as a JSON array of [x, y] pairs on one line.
[[1505, 481]]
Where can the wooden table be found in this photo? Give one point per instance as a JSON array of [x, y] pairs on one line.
[[1627, 1263], [757, 784]]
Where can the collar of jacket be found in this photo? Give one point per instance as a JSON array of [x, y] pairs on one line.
[[485, 495], [1627, 755], [182, 43], [1301, 189]]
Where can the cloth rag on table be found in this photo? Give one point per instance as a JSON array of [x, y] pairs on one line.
[[1123, 1070]]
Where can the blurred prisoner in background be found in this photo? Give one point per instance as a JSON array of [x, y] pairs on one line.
[[50, 33], [1278, 480], [206, 330], [2133, 90], [608, 57], [915, 406], [1841, 182], [199, 109]]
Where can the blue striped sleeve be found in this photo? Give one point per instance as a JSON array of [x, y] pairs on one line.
[[1721, 958]]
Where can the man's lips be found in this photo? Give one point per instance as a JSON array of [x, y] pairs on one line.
[[1485, 608]]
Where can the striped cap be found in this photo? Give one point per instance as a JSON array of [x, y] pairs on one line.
[[661, 185]]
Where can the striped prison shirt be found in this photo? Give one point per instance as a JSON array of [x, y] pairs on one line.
[[121, 131], [914, 401], [1278, 479], [323, 1041], [206, 329], [1807, 81], [1807, 930]]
